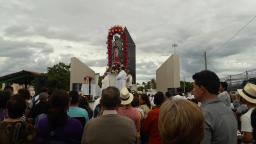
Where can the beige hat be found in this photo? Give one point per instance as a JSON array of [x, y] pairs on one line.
[[126, 96], [248, 92]]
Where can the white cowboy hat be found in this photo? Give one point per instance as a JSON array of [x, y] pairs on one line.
[[248, 92], [126, 97]]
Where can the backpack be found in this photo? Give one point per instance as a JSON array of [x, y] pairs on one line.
[[16, 132]]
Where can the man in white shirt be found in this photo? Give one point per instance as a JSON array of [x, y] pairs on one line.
[[248, 97], [121, 79]]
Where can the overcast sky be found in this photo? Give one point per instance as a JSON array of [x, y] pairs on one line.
[[35, 34]]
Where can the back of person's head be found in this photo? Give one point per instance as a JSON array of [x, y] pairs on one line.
[[110, 98], [180, 122], [224, 85], [4, 97], [167, 94], [9, 89], [208, 79], [43, 97], [159, 98], [74, 96], [24, 93], [16, 106], [42, 90], [83, 102], [135, 101], [145, 99], [58, 106]]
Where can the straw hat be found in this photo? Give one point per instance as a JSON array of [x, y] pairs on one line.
[[126, 96], [248, 93]]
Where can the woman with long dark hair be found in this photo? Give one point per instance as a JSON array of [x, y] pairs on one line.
[[145, 104], [57, 126], [83, 103]]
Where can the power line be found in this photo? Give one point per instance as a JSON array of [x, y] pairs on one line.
[[239, 30], [230, 39], [235, 34]]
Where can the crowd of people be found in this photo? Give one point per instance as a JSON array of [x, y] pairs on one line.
[[125, 117]]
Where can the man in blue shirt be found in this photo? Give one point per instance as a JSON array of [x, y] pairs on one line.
[[74, 111]]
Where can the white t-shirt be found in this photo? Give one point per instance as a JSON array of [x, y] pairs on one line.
[[246, 121], [121, 79]]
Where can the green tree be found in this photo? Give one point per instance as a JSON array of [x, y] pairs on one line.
[[143, 85], [153, 83], [188, 86], [148, 85], [39, 83], [140, 88], [58, 77]]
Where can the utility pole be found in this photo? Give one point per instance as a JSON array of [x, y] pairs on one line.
[[184, 87], [205, 60], [174, 45], [246, 74]]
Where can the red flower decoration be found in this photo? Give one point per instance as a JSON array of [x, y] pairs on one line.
[[88, 78]]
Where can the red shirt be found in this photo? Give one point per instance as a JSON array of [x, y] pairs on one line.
[[150, 126], [131, 113]]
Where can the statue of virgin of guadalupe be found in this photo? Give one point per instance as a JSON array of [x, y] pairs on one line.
[[117, 48]]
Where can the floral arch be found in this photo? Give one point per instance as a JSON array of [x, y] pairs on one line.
[[124, 54]]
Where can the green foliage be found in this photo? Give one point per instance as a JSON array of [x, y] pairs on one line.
[[39, 83], [147, 85], [150, 84], [188, 86], [58, 77], [153, 83], [140, 88]]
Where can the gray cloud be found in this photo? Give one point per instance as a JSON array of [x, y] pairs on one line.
[[22, 48], [96, 63], [21, 55], [80, 29], [47, 32]]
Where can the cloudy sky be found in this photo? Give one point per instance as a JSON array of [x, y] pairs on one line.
[[35, 34]]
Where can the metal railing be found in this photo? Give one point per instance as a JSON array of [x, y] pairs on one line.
[[237, 81]]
